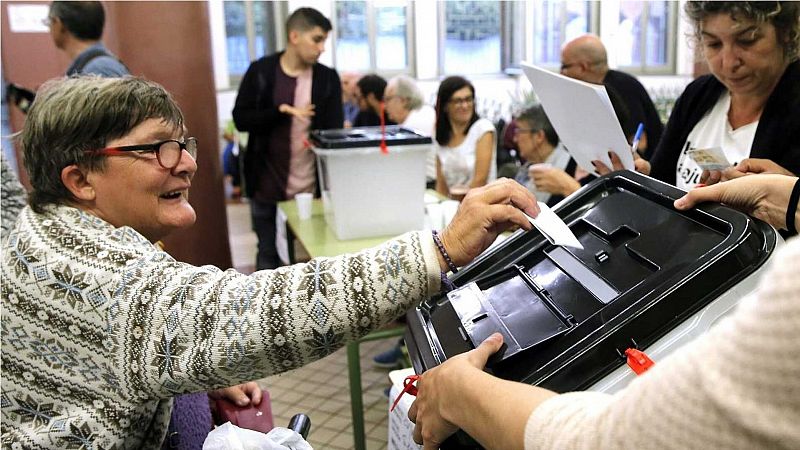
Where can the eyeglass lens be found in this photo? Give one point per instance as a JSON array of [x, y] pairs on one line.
[[462, 100], [169, 154]]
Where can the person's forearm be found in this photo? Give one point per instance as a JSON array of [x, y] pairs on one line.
[[493, 411]]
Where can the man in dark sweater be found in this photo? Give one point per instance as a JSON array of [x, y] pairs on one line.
[[281, 98], [584, 58], [369, 94]]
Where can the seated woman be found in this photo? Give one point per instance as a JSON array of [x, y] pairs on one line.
[[749, 106], [101, 328], [466, 143], [549, 171]]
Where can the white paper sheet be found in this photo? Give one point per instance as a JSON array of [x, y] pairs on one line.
[[553, 228], [583, 117]]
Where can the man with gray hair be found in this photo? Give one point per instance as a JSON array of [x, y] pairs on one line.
[[405, 105], [584, 58]]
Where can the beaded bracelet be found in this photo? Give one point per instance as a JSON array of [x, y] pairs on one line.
[[447, 259], [791, 208]]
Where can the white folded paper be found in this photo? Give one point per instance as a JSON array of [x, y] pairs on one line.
[[553, 228]]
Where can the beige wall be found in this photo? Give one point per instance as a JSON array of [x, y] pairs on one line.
[[168, 42]]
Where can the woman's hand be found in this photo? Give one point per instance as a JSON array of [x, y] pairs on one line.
[[240, 395], [765, 196], [640, 164], [747, 166], [439, 388], [486, 212]]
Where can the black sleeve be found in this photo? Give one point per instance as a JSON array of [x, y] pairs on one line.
[[254, 111], [334, 111], [664, 161]]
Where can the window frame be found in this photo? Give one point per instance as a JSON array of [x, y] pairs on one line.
[[672, 38], [505, 44], [371, 14], [594, 28], [277, 12]]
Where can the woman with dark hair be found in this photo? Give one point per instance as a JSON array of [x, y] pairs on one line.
[[466, 143], [749, 106]]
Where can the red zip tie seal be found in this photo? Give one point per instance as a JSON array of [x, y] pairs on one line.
[[384, 147], [408, 387], [638, 360]]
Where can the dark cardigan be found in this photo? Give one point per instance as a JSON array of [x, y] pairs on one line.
[[256, 113], [777, 137]]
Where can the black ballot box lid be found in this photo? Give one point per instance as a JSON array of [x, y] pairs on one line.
[[366, 137], [566, 312]]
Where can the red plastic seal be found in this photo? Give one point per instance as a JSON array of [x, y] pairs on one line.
[[638, 361], [408, 387]]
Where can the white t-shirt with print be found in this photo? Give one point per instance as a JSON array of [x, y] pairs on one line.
[[714, 130], [458, 163]]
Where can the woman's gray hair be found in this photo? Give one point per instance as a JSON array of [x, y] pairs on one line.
[[783, 15], [73, 115], [407, 88]]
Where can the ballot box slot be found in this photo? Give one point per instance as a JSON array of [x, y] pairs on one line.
[[589, 280]]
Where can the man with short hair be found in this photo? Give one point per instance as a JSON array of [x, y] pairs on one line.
[[584, 58], [76, 29], [369, 94], [281, 98], [404, 104]]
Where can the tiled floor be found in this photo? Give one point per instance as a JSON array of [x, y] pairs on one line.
[[319, 390]]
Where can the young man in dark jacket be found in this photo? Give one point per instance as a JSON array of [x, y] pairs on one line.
[[281, 98]]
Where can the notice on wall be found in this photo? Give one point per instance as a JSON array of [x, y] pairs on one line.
[[28, 18]]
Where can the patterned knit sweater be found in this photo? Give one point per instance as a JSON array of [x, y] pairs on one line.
[[100, 329], [13, 197], [736, 387]]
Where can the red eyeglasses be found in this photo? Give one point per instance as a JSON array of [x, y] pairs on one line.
[[168, 153]]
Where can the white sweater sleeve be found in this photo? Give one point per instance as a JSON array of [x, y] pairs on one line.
[[735, 387]]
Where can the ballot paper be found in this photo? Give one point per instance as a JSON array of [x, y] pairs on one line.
[[583, 117], [553, 228], [709, 158]]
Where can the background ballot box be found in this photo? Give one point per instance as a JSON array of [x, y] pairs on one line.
[[366, 192], [401, 430], [648, 277]]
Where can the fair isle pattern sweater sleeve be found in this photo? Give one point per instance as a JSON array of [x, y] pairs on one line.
[[736, 387], [13, 197], [100, 328]]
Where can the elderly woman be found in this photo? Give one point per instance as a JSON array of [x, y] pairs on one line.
[[734, 387], [466, 142], [101, 328], [750, 104], [405, 105]]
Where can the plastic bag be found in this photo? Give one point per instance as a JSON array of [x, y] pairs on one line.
[[230, 437]]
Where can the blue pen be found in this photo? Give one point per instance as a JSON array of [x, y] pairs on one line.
[[636, 137]]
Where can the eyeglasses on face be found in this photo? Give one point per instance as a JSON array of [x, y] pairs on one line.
[[168, 153], [518, 130], [456, 101], [565, 66]]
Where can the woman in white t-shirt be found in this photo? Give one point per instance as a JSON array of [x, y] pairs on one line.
[[748, 106], [465, 143]]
